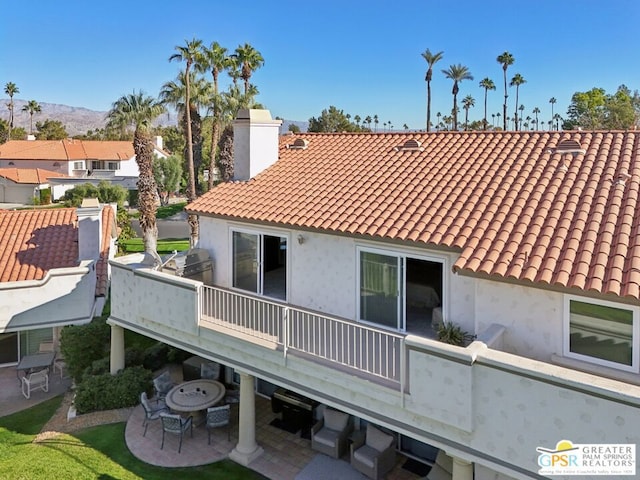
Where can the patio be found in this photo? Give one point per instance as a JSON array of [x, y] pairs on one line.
[[285, 454]]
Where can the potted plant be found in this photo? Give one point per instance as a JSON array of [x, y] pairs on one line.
[[449, 332]]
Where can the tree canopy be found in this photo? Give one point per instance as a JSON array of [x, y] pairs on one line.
[[51, 130], [597, 110], [167, 173], [333, 120]]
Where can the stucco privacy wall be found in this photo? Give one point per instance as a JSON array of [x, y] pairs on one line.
[[323, 270], [533, 317], [69, 292]]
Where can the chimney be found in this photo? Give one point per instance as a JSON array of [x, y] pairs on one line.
[[31, 137], [89, 229], [255, 142], [158, 142]]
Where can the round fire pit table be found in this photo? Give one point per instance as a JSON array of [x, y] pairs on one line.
[[194, 397]]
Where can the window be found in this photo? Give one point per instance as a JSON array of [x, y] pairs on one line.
[[78, 165], [97, 165], [259, 263], [602, 332], [114, 165], [400, 291]]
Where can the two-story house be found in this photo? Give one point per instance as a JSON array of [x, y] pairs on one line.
[[54, 272], [81, 160], [337, 256]]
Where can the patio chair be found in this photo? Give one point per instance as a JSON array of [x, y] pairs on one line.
[[162, 384], [176, 425], [45, 347], [219, 417], [374, 454], [330, 434], [59, 364], [210, 370], [35, 381], [151, 413]]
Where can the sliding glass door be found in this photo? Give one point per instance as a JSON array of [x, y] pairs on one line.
[[398, 291], [260, 263]]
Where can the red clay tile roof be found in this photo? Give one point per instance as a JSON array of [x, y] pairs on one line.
[[33, 242], [29, 175], [66, 150], [510, 205]]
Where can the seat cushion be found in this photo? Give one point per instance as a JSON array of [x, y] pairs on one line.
[[377, 439], [335, 420], [366, 455], [326, 436]]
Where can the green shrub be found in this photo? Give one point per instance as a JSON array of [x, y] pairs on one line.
[[155, 357], [107, 392], [81, 345], [175, 355], [98, 367], [45, 196], [450, 333], [133, 198]]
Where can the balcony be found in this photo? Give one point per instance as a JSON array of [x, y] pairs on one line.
[[443, 395]]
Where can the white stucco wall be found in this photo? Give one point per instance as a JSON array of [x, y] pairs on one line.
[[323, 269], [128, 168], [65, 167], [65, 296]]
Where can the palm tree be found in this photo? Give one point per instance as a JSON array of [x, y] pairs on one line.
[[557, 118], [536, 111], [516, 81], [505, 59], [249, 60], [367, 120], [438, 115], [406, 127], [173, 93], [487, 84], [498, 115], [432, 59], [10, 89], [493, 120], [190, 54], [552, 101], [139, 110], [457, 73], [521, 108], [467, 103], [357, 120], [376, 121], [31, 107], [215, 60]]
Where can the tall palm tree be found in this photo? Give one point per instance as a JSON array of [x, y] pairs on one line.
[[432, 59], [139, 110], [31, 108], [467, 103], [487, 84], [10, 89], [367, 120], [215, 60], [457, 73], [357, 120], [505, 59], [190, 54], [552, 101], [376, 121], [536, 111], [498, 115], [516, 81], [438, 115], [521, 108], [493, 120], [249, 60], [557, 118]]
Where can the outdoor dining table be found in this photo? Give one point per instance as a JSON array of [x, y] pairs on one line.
[[194, 397], [33, 363]]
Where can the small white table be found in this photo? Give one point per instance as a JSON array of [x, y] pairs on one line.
[[194, 397]]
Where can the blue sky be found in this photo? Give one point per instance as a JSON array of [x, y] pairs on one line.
[[362, 57]]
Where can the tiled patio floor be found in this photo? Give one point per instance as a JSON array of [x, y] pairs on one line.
[[285, 454]]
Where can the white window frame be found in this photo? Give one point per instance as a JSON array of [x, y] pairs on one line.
[[260, 233], [635, 340], [116, 164], [403, 255], [78, 165]]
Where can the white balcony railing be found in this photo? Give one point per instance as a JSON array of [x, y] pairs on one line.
[[372, 351]]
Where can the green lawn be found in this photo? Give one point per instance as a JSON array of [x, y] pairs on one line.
[[165, 245], [96, 453], [166, 211]]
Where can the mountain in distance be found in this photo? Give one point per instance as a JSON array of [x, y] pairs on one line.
[[79, 120]]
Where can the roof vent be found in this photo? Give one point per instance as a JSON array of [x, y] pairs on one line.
[[299, 144], [569, 146], [410, 145]]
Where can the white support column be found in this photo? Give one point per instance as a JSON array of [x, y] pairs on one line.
[[117, 349], [462, 470], [247, 449]]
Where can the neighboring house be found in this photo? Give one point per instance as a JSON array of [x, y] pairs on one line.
[[54, 272], [337, 256], [83, 160], [22, 185]]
